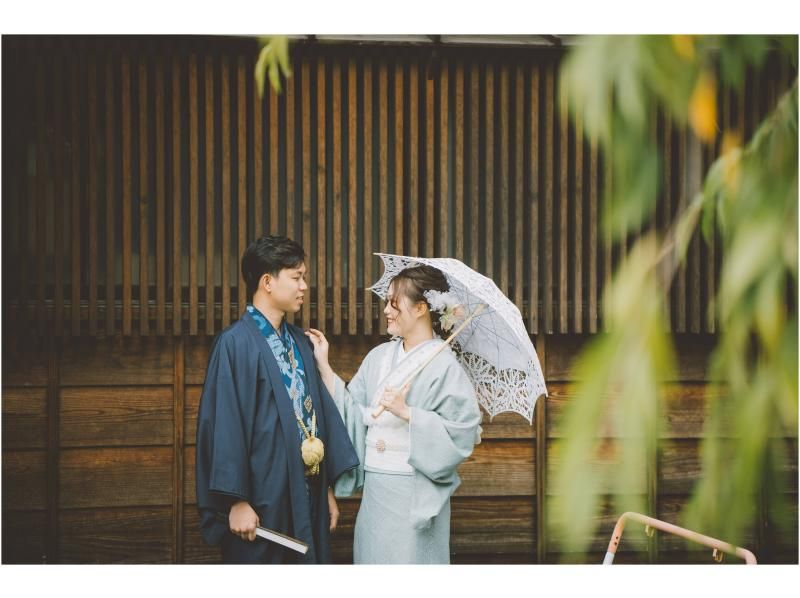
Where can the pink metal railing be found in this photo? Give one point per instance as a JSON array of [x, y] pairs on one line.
[[651, 525]]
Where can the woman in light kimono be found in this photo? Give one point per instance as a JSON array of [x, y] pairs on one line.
[[409, 453]]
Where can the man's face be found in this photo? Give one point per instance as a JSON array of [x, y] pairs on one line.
[[287, 289]]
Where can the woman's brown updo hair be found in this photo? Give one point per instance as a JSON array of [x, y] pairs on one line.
[[413, 282]]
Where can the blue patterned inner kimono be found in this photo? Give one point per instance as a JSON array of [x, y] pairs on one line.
[[291, 365]]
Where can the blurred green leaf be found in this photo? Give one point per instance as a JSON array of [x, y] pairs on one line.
[[273, 60], [748, 199]]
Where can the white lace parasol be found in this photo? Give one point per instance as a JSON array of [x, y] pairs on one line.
[[494, 347]]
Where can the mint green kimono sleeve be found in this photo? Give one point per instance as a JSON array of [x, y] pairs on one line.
[[351, 400], [444, 428]]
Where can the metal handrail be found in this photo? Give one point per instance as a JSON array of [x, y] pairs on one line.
[[651, 525]]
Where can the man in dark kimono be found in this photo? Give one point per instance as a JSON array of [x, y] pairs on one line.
[[261, 399]]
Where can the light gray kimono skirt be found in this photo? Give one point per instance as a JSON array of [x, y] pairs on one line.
[[405, 508]]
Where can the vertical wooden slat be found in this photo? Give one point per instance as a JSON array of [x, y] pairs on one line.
[[289, 201], [488, 248], [336, 109], [383, 154], [241, 132], [241, 178], [58, 192], [15, 167], [413, 158], [563, 216], [258, 164], [18, 102], [369, 198], [430, 169], [194, 183], [241, 186], [144, 204], [273, 226], [352, 198], [519, 178], [45, 191], [322, 253], [177, 307], [504, 174], [258, 193], [178, 418], [76, 77], [305, 77], [161, 200], [547, 289], [399, 129], [578, 251], [474, 149], [680, 325], [111, 199], [458, 213], [127, 182], [534, 200], [210, 199], [444, 168], [92, 111], [593, 243], [27, 197]]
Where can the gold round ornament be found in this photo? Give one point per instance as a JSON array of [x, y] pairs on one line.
[[313, 451]]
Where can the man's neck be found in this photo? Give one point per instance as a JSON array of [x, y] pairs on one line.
[[419, 335], [273, 314]]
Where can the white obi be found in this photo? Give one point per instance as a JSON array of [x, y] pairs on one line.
[[388, 445]]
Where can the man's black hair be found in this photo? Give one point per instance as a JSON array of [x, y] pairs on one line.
[[269, 255]]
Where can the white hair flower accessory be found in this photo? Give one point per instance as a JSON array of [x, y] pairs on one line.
[[447, 306]]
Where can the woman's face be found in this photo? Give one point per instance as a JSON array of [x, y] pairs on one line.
[[402, 319]]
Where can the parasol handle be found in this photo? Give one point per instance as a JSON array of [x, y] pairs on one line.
[[413, 374]]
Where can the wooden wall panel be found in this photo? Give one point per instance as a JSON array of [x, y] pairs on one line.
[[24, 482], [24, 418], [168, 117], [118, 535], [115, 477], [113, 416], [116, 462]]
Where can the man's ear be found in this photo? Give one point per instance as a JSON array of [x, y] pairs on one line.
[[265, 280]]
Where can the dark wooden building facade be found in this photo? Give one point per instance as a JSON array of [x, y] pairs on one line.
[[136, 171]]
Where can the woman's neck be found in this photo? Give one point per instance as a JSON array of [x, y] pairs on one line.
[[418, 335]]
